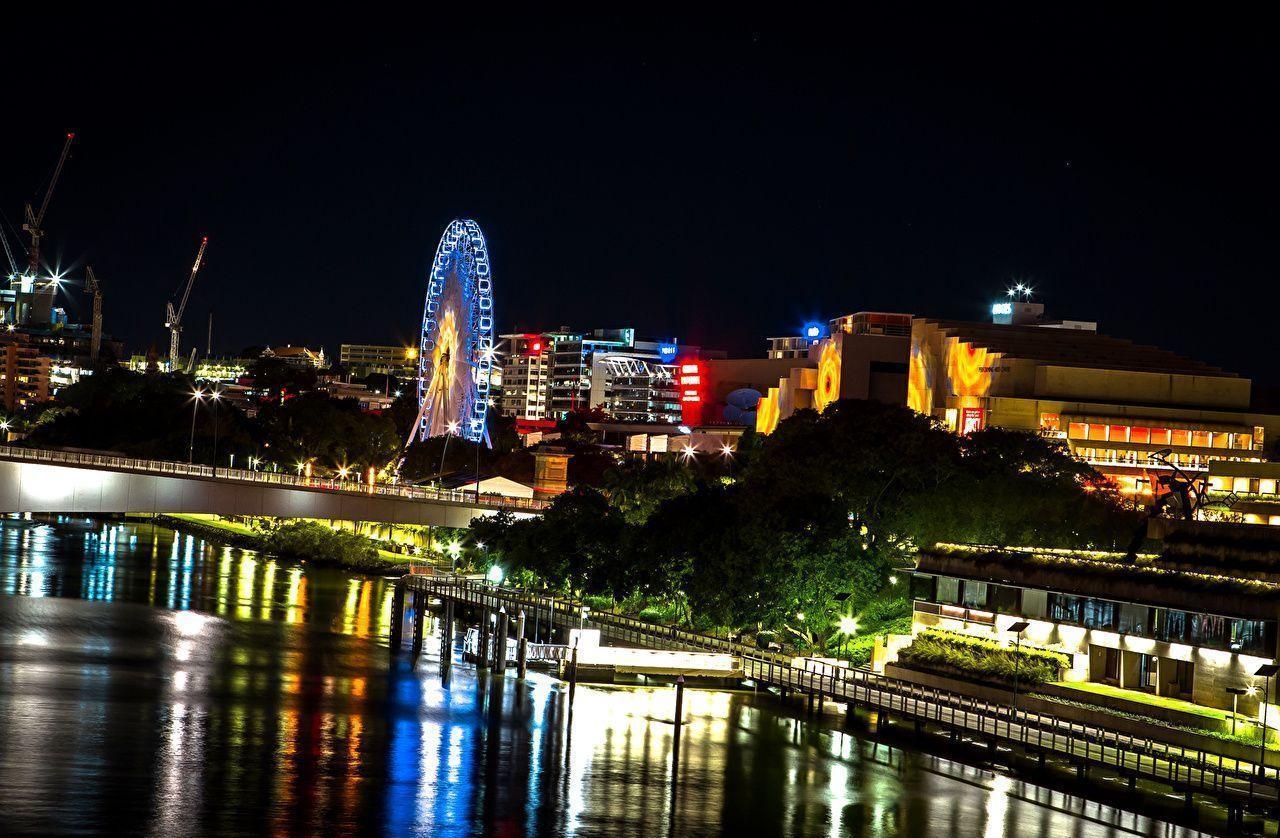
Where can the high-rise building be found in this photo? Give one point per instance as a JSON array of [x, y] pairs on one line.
[[25, 375], [548, 375]]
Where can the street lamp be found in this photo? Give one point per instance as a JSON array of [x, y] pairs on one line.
[[1017, 628], [1235, 693], [454, 548], [848, 627], [494, 575], [582, 617], [1265, 671], [216, 395], [196, 396]]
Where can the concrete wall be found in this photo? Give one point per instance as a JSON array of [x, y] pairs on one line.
[[1128, 387], [36, 487]]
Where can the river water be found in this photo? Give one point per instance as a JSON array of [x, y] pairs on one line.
[[153, 684]]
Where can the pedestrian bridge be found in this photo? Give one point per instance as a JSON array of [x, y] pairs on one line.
[[38, 480]]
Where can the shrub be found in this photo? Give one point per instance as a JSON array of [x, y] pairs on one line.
[[309, 540], [983, 659]]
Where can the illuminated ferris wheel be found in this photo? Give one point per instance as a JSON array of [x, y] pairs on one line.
[[455, 357]]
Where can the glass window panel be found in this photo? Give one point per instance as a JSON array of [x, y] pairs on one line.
[[1133, 619], [922, 587], [1173, 626], [1159, 436], [974, 594], [1178, 436], [1140, 435], [1242, 441], [1221, 440], [1064, 609], [1209, 630], [1076, 430], [948, 590], [1200, 439], [1098, 432], [1003, 598], [1099, 613], [1119, 433]]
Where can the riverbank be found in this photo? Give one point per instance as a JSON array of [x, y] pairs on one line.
[[234, 534]]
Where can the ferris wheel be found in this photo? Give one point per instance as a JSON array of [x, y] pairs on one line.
[[455, 353]]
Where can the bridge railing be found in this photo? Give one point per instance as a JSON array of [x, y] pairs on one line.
[[1208, 770], [136, 464]]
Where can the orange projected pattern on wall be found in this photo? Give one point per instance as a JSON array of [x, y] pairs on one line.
[[767, 412], [920, 382], [828, 376], [969, 369]]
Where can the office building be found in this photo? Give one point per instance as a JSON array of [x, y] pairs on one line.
[[361, 360], [26, 373]]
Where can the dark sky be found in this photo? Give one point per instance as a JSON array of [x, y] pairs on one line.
[[720, 180]]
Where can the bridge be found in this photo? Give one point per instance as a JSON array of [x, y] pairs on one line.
[[39, 480]]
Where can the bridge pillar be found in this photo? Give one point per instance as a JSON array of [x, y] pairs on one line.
[[500, 642], [397, 617], [522, 647], [419, 600]]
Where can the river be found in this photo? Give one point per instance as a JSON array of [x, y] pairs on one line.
[[153, 684]]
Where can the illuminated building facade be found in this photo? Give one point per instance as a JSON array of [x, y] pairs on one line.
[[25, 376], [361, 360], [1113, 402], [547, 375], [865, 357], [1172, 624]]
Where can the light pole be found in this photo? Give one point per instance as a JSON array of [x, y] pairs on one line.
[[1017, 628], [196, 396], [848, 627], [582, 617], [1235, 693], [217, 397], [452, 429], [1265, 671]]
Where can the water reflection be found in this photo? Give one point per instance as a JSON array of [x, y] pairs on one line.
[[153, 684]]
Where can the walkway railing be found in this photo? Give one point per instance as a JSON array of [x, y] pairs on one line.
[[1180, 767], [135, 464]]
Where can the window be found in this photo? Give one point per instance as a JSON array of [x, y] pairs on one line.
[[1172, 626], [1267, 486], [1077, 430], [1240, 485], [948, 590], [1003, 598], [1178, 436], [974, 594], [1097, 432], [1119, 433], [1159, 436], [1200, 439], [922, 587], [1050, 422], [1064, 609], [1209, 630], [1142, 435], [1253, 637], [1221, 440], [1099, 614], [1133, 619]]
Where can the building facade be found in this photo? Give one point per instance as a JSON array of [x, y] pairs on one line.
[[25, 376], [1177, 624], [548, 375], [361, 360], [1114, 403]]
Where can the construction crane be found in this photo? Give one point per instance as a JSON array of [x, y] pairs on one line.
[[95, 341], [35, 220], [172, 317]]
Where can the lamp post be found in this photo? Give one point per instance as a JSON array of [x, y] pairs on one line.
[[1235, 693], [196, 396], [582, 617], [848, 627], [217, 397], [1017, 628], [1265, 671]]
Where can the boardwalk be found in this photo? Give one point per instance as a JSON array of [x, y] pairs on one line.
[[1186, 770]]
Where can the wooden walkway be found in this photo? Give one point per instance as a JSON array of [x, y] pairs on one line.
[[1238, 783]]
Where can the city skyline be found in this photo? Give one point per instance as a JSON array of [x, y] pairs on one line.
[[816, 174]]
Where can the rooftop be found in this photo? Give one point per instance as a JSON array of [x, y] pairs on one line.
[[1075, 348]]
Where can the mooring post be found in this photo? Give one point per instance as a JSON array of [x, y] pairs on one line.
[[522, 647], [573, 675], [482, 650], [419, 600], [675, 742], [500, 642], [397, 617], [446, 635]]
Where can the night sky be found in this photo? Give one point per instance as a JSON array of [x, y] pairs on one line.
[[717, 180]]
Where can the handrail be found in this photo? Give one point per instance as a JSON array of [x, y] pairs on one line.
[[1180, 764], [109, 461]]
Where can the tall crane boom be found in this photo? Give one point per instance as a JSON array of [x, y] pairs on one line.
[[95, 341], [173, 317], [35, 220]]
